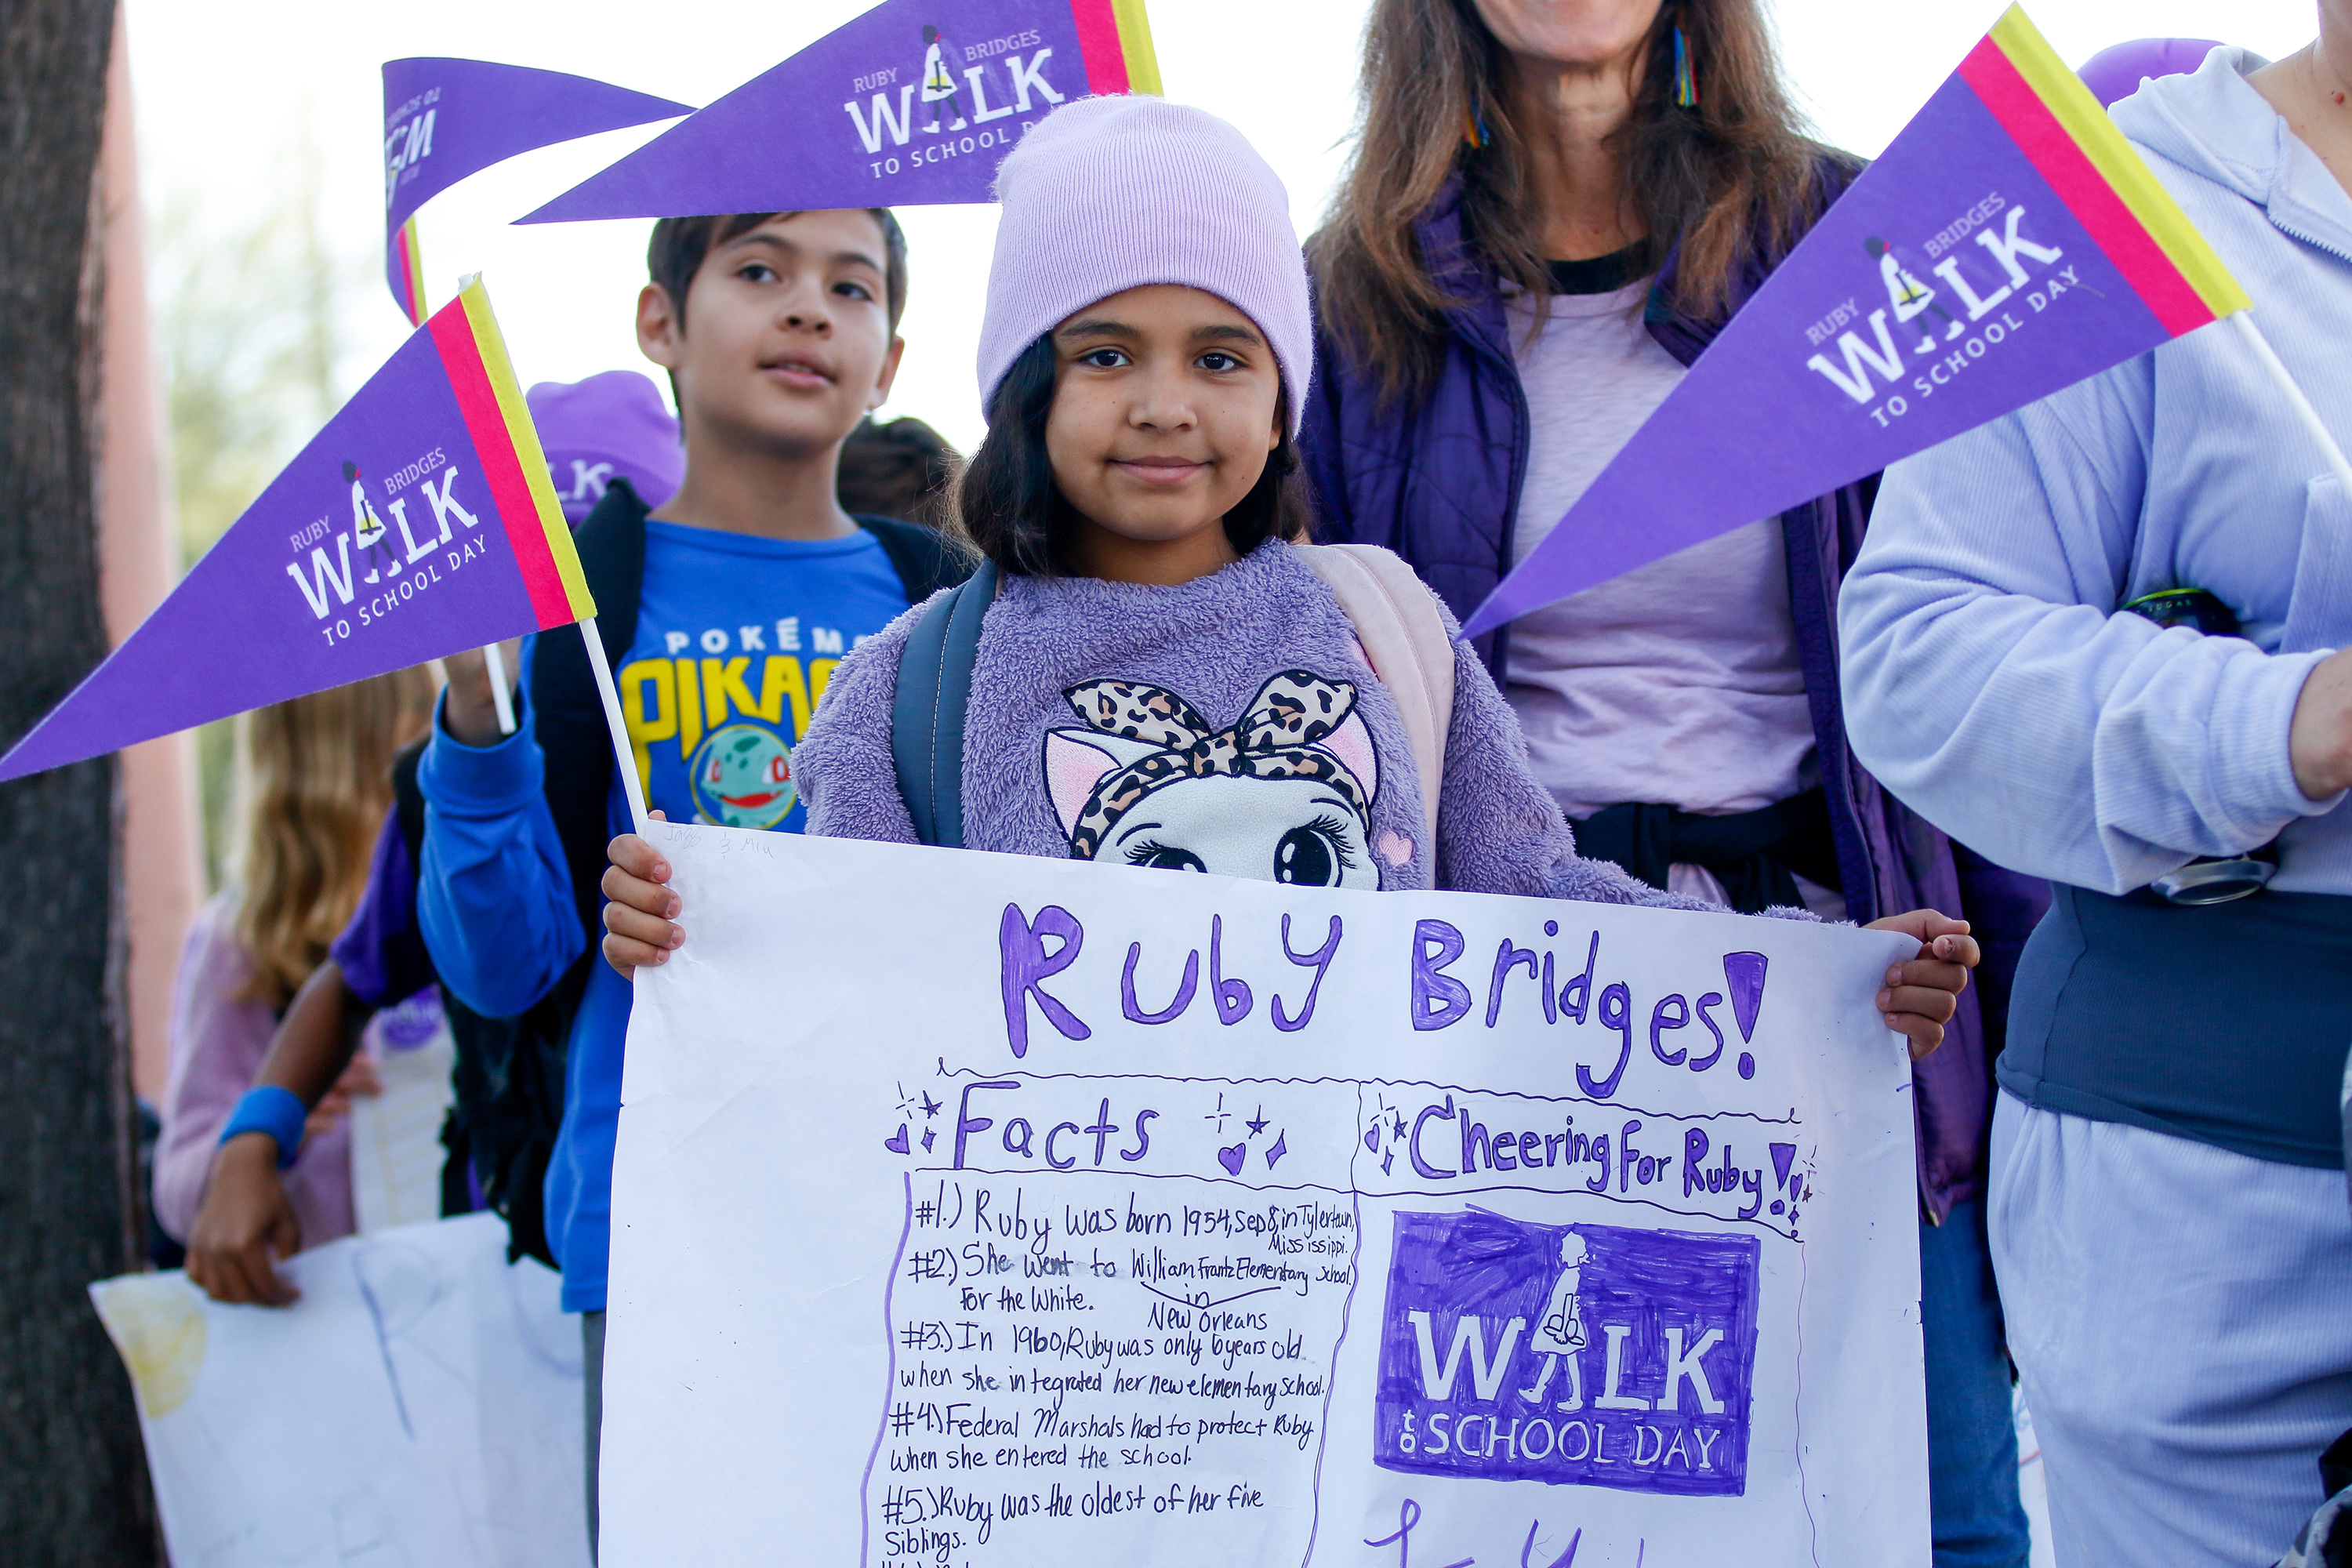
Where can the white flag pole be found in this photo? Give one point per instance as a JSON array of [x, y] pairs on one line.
[[623, 754], [494, 659], [2303, 411]]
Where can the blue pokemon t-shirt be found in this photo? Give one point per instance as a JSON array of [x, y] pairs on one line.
[[737, 637]]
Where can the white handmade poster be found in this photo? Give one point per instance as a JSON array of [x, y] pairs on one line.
[[421, 1403], [975, 1210], [397, 1148]]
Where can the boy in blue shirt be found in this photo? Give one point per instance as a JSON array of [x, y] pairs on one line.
[[723, 613]]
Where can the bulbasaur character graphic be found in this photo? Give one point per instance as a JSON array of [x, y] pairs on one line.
[[741, 776]]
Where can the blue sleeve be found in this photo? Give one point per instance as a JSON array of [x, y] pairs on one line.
[[1992, 684], [495, 898]]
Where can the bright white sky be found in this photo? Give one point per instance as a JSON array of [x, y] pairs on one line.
[[224, 84]]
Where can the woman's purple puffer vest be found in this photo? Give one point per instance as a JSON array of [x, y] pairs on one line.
[[1438, 482]]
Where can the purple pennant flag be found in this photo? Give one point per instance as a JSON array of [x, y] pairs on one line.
[[421, 521], [2008, 244], [446, 118], [913, 103]]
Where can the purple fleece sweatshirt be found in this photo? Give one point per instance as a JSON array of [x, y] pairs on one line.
[[1229, 724]]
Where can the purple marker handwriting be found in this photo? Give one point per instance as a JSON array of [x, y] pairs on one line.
[[1409, 1516], [1094, 1346], [1606, 1019]]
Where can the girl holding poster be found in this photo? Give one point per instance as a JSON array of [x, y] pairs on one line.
[[1160, 677], [314, 778], [1546, 221]]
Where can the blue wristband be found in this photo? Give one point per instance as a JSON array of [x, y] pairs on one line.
[[277, 1111]]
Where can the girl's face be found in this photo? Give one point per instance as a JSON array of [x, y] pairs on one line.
[[1166, 402]]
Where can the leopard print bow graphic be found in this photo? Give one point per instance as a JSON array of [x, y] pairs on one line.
[[1273, 738]]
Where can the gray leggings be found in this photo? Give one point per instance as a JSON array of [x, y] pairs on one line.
[[591, 1355]]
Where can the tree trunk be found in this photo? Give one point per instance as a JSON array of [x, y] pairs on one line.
[[73, 1477]]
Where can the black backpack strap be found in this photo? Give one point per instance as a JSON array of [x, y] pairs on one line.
[[567, 712], [927, 717], [508, 1079], [408, 800], [925, 559]]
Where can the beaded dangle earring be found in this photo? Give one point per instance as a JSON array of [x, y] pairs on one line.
[[1473, 127], [1686, 78]]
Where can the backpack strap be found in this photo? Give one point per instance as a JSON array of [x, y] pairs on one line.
[[927, 715], [408, 800], [1410, 649], [567, 712]]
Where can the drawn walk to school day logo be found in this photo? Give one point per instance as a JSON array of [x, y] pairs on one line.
[[1576, 1355]]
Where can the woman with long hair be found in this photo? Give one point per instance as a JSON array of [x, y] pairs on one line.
[[1553, 207], [314, 785]]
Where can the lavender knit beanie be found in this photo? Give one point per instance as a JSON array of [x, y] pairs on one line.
[[1110, 194]]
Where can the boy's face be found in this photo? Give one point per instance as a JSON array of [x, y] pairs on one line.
[[786, 340]]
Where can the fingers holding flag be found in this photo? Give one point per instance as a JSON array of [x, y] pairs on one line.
[[472, 707]]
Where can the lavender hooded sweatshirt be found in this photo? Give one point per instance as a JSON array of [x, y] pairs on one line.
[[1229, 724]]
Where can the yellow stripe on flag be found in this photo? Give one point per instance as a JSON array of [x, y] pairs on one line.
[[412, 266], [2117, 161], [1135, 43], [528, 451]]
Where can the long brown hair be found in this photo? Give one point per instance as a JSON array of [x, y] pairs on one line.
[[1732, 174], [314, 776]]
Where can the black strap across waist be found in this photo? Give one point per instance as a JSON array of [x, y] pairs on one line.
[[1755, 855]]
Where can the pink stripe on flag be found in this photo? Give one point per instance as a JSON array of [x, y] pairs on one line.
[[453, 334], [2095, 203], [1099, 38]]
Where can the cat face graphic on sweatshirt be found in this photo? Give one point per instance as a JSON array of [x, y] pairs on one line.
[[1284, 794]]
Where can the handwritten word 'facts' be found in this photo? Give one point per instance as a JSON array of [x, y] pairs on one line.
[[1440, 1000], [1027, 964], [1021, 1137]]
